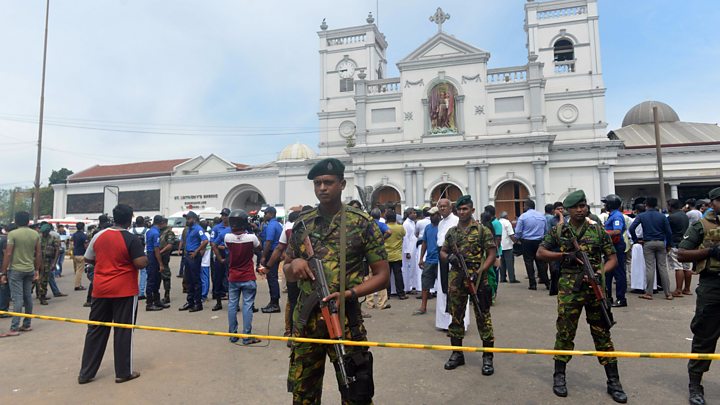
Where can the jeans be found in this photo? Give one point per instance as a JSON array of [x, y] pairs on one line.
[[143, 281], [21, 291], [53, 285], [5, 296], [248, 290], [58, 266], [205, 281]]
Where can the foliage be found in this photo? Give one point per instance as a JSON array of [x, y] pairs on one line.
[[59, 176]]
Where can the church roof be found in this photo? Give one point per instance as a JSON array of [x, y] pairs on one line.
[[643, 113], [297, 151], [443, 48], [126, 170], [671, 134]]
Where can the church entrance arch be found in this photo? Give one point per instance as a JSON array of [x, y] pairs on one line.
[[386, 196], [445, 190], [245, 197], [511, 197]]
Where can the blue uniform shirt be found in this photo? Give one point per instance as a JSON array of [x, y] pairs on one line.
[[152, 240], [616, 222], [271, 232], [193, 239], [431, 249], [217, 235]]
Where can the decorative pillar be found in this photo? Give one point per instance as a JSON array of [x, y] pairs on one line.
[[539, 166], [536, 82], [460, 114], [472, 182], [360, 109], [604, 180], [484, 193], [426, 118], [420, 186], [408, 188], [281, 191], [674, 190]]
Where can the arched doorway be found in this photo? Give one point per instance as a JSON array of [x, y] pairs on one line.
[[511, 197], [385, 196], [245, 197], [445, 190]]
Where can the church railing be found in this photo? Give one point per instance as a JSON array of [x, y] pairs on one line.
[[565, 66], [350, 39], [383, 86], [507, 75], [561, 12]]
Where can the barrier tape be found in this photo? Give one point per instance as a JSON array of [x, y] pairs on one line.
[[546, 352]]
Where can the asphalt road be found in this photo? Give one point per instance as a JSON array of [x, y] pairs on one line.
[[42, 366]]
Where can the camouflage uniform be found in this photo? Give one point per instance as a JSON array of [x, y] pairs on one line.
[[597, 243], [473, 243], [364, 241], [167, 237], [49, 246]]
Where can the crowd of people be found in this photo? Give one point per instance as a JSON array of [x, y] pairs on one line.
[[441, 252]]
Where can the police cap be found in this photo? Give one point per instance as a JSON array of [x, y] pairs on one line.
[[158, 219], [714, 193], [574, 198], [327, 166], [464, 200]]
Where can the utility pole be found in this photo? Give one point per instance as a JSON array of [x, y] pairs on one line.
[[36, 197], [658, 152]]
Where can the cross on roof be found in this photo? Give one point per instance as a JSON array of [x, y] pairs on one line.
[[439, 18]]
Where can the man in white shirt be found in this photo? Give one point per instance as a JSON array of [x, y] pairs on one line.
[[409, 259], [442, 316], [507, 268], [420, 225]]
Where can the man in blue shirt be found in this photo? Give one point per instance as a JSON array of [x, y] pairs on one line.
[[656, 242], [615, 227], [429, 263], [194, 246], [530, 230], [270, 237], [152, 250], [217, 242]]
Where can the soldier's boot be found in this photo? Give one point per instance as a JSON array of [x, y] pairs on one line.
[[559, 384], [151, 304], [217, 306], [697, 393], [487, 360], [614, 388], [457, 359], [166, 299], [43, 300], [159, 302]]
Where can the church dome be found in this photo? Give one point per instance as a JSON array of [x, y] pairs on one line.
[[297, 151], [643, 113]]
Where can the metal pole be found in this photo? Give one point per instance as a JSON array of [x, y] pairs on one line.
[[36, 198], [658, 152]]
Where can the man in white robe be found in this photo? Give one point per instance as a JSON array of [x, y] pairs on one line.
[[409, 259]]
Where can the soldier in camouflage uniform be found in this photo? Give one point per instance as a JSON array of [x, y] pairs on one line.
[[476, 245], [575, 292], [167, 243], [50, 249], [364, 241], [701, 244]]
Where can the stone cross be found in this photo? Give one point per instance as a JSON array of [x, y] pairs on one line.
[[439, 18]]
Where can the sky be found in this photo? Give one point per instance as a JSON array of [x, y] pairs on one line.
[[137, 80]]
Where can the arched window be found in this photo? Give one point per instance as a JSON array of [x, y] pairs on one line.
[[564, 50], [386, 196], [445, 190], [511, 197]]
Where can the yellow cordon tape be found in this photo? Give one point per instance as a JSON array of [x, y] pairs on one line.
[[591, 353]]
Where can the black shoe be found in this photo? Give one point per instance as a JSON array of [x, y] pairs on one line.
[[559, 384], [81, 288], [619, 304], [140, 298], [153, 307], [514, 281], [185, 307], [60, 295], [614, 388], [532, 287], [271, 309], [697, 394], [403, 297], [196, 308], [43, 301], [132, 376], [255, 310], [166, 299], [217, 306], [83, 380], [456, 360], [87, 305], [487, 367]]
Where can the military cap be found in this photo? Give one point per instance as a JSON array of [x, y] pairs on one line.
[[466, 199], [327, 166], [45, 227], [574, 198], [714, 193]]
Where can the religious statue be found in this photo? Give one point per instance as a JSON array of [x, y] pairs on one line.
[[442, 109]]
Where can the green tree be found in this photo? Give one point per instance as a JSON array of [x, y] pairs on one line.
[[59, 176]]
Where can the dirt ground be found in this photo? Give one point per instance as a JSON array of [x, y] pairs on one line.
[[42, 366]]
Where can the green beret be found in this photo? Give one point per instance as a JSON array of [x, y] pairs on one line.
[[327, 166], [45, 228], [714, 193], [574, 198], [464, 200]]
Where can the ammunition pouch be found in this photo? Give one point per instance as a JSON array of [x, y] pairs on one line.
[[359, 368]]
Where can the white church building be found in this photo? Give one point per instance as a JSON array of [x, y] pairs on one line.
[[448, 125]]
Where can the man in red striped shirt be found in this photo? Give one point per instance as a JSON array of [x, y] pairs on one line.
[[117, 255]]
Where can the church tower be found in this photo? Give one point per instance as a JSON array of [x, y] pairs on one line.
[[346, 55], [563, 36]]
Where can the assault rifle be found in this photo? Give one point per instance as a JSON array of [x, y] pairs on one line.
[[469, 282], [593, 279], [329, 312]]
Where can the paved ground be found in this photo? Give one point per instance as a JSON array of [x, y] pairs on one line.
[[42, 365]]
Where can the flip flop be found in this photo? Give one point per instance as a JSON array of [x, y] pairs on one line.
[[9, 334], [25, 328], [251, 341], [646, 297]]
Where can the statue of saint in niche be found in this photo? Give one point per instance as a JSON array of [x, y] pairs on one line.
[[442, 108]]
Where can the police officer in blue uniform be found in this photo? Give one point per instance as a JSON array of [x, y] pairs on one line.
[[195, 242], [152, 249], [615, 227], [217, 242]]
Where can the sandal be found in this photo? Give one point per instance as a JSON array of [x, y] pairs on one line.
[[687, 292], [419, 312], [677, 294], [25, 328], [646, 297], [251, 341], [669, 297]]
